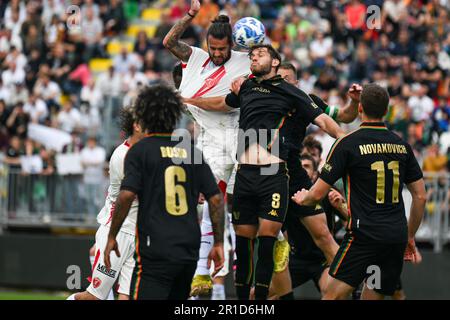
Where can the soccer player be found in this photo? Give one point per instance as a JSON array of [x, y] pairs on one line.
[[374, 164], [102, 280], [167, 177], [208, 74], [313, 218], [260, 200]]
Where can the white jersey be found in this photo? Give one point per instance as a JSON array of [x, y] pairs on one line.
[[201, 78], [116, 175]]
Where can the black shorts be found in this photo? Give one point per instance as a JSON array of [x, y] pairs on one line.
[[302, 271], [297, 183], [260, 192], [162, 281], [352, 261]]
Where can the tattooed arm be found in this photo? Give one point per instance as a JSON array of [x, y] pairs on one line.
[[172, 40]]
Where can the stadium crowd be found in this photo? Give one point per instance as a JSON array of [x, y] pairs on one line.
[[46, 52]]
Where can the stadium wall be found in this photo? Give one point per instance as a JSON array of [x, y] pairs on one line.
[[41, 261]]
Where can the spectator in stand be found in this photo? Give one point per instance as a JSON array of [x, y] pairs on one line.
[[123, 61], [15, 185], [12, 75], [93, 159], [69, 118], [36, 108], [4, 136], [178, 9], [355, 12], [131, 79], [114, 19], [59, 66], [92, 35], [247, 8], [91, 95], [18, 120], [49, 91], [18, 93], [420, 104], [208, 11], [109, 83], [142, 44], [434, 161]]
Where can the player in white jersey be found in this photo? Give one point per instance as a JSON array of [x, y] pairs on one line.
[[207, 74], [102, 280]]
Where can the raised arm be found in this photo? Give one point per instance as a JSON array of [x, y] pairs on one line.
[[327, 124], [172, 40], [350, 112]]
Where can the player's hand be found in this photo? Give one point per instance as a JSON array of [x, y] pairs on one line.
[[201, 198], [111, 245], [410, 252], [299, 197], [216, 254], [355, 92], [236, 85], [195, 7], [336, 199]]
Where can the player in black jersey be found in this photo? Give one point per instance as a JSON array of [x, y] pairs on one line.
[[374, 164], [167, 177], [266, 103], [299, 217]]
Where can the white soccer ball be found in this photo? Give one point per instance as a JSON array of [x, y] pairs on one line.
[[248, 32]]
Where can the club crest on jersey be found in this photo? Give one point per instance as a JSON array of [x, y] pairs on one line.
[[110, 273], [327, 167], [96, 282], [236, 215]]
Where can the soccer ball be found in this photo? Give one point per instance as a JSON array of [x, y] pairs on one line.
[[248, 32]]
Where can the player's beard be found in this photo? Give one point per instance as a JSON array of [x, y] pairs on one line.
[[261, 70]]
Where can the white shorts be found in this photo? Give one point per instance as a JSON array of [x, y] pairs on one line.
[[221, 157], [121, 268]]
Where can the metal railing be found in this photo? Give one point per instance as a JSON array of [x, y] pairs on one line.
[[55, 200], [34, 200]]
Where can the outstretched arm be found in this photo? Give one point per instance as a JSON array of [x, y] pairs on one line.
[[172, 40], [210, 104], [327, 124]]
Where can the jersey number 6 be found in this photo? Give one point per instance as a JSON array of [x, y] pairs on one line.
[[176, 203]]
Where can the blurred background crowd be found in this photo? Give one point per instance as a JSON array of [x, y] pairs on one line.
[[70, 66]]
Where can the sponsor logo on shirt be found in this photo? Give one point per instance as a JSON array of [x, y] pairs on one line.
[[261, 89], [102, 269]]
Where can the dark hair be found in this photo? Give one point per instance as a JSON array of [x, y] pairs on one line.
[[220, 28], [374, 100], [288, 66], [158, 108], [273, 53], [177, 74], [310, 143], [126, 117], [309, 157]]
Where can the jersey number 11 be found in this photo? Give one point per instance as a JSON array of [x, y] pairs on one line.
[[378, 166]]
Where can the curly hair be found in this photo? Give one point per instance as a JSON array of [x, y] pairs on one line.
[[158, 108], [126, 119]]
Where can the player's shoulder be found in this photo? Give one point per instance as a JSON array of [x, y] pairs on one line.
[[120, 151]]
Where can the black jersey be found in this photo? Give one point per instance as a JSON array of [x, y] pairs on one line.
[[374, 163], [270, 105], [167, 182]]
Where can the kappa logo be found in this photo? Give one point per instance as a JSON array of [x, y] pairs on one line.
[[110, 273], [96, 282], [273, 213]]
